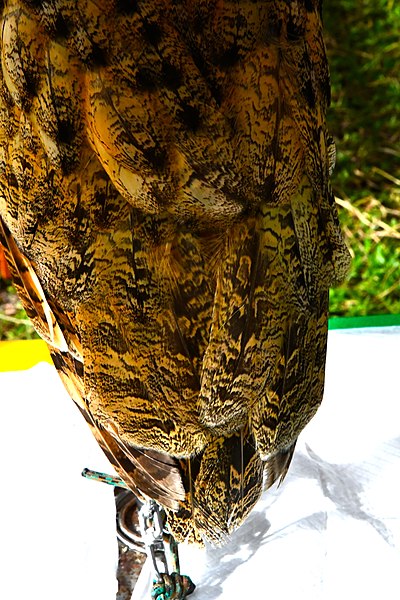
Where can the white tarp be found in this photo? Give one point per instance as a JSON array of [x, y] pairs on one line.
[[331, 531], [57, 529]]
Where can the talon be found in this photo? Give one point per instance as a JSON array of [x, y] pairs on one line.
[[172, 587]]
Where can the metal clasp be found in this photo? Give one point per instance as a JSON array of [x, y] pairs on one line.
[[159, 542]]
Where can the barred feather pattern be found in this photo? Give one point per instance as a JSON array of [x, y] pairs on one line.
[[168, 221]]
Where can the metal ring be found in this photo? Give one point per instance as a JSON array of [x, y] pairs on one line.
[[128, 529]]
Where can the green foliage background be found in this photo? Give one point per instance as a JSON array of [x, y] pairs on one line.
[[363, 43]]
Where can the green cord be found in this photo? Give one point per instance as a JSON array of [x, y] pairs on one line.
[[369, 321]]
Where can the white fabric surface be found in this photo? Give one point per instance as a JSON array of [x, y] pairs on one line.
[[331, 531], [57, 529]]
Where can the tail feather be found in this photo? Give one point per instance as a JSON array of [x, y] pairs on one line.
[[276, 467]]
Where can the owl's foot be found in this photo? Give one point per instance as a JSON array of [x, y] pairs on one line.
[[161, 546], [172, 587]]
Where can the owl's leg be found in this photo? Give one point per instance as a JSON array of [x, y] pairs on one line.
[[153, 539], [162, 548]]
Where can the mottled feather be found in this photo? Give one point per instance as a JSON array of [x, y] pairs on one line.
[[168, 220]]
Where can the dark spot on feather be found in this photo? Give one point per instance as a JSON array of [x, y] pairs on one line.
[[171, 76], [66, 132], [199, 61], [62, 360], [206, 73], [69, 161], [190, 116], [126, 7], [57, 360], [62, 28], [270, 421], [268, 188], [237, 326], [101, 214], [229, 57], [198, 23], [294, 30], [26, 164], [216, 92], [152, 33], [309, 4], [146, 79], [300, 280], [308, 93], [78, 367], [97, 57], [35, 4], [273, 30], [156, 156], [80, 214], [326, 88], [12, 180], [31, 84]]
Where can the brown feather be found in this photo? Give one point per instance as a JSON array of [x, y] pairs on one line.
[[169, 225]]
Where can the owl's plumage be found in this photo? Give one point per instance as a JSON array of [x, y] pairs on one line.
[[171, 231]]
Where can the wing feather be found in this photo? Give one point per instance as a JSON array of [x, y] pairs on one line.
[[31, 292], [173, 234], [145, 471]]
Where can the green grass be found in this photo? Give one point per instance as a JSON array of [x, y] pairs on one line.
[[14, 324], [364, 53]]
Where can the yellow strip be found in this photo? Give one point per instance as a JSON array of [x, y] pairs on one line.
[[22, 354]]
